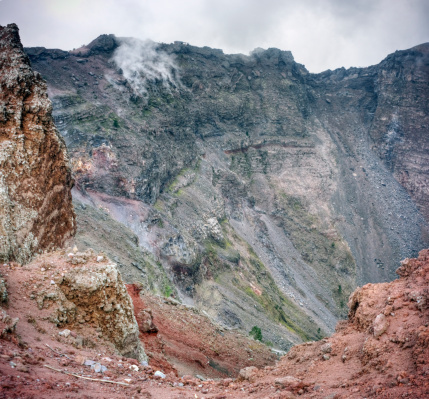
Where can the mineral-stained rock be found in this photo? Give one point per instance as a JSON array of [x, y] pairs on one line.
[[96, 294], [35, 182]]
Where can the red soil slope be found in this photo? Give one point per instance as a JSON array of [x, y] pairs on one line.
[[191, 342], [381, 352]]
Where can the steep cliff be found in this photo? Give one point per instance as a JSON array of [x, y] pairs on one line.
[[263, 191], [36, 212]]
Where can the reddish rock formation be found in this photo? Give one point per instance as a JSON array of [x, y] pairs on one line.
[[382, 351], [35, 200]]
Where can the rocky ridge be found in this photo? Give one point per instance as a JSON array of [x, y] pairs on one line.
[[36, 211], [259, 191]]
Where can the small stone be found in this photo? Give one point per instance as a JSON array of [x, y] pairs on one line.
[[89, 362], [98, 368], [380, 325], [133, 367], [144, 363], [42, 269], [326, 348], [65, 333], [12, 364], [159, 374], [100, 258], [52, 282], [326, 357], [75, 249], [247, 373], [79, 359], [127, 380], [22, 368], [288, 381]]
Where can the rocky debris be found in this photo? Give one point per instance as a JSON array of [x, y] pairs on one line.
[[35, 181]]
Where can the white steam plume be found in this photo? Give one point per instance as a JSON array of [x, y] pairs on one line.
[[143, 63]]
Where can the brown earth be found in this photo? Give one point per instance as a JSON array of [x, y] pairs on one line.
[[381, 351], [36, 210]]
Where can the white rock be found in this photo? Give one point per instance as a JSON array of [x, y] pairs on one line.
[[133, 367], [96, 367], [100, 258], [159, 374], [52, 282], [65, 333], [89, 362]]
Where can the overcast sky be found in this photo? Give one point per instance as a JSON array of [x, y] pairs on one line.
[[322, 34]]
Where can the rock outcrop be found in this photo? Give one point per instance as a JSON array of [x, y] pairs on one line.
[[36, 211], [86, 289]]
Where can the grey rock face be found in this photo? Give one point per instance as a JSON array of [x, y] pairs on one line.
[[266, 193]]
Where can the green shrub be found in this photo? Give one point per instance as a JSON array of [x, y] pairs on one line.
[[256, 333]]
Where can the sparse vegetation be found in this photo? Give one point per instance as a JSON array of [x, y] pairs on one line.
[[168, 291], [256, 333]]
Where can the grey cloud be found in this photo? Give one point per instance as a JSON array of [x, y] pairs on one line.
[[320, 33]]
